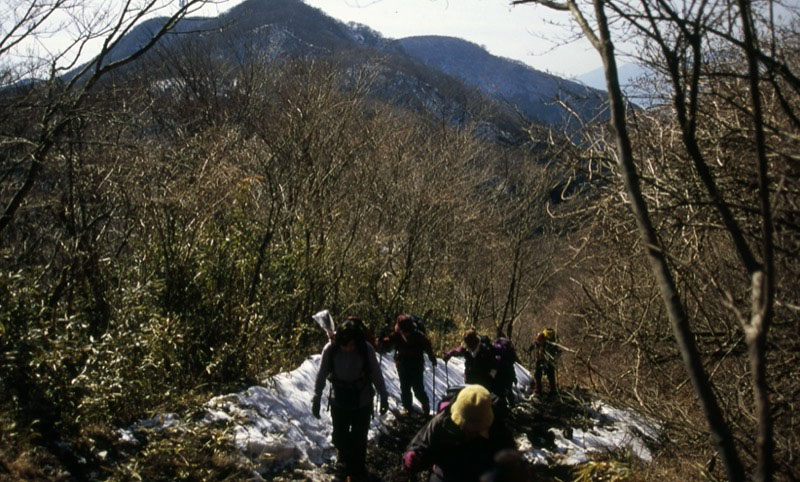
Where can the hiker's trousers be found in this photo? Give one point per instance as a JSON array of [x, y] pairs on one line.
[[549, 369], [350, 429], [410, 375]]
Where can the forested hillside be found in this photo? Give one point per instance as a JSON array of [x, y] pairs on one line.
[[172, 218]]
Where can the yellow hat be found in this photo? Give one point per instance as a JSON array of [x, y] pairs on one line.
[[472, 410]]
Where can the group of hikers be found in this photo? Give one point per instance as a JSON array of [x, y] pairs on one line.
[[467, 438]]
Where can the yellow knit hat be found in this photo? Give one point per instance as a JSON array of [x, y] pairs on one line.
[[472, 410]]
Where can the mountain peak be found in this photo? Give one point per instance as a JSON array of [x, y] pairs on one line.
[[291, 28]]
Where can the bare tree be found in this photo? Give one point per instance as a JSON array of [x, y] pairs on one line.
[[684, 41], [43, 90]]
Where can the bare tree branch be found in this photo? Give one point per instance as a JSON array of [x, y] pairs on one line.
[[67, 99], [763, 282]]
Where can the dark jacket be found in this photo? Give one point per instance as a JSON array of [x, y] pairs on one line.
[[442, 444], [352, 375], [480, 368], [410, 348], [506, 358], [545, 352]]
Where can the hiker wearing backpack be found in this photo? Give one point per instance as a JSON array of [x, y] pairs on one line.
[[546, 352], [480, 365], [410, 346], [505, 358], [460, 442], [349, 362]]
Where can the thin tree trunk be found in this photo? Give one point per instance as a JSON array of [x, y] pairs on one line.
[[763, 283], [675, 310]]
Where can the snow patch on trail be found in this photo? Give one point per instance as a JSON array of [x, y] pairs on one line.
[[272, 422]]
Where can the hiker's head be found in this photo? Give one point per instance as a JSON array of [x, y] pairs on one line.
[[546, 335], [472, 411], [404, 324], [349, 332], [471, 340]]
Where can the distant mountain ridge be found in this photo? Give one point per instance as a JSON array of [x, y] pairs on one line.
[[416, 71], [506, 80], [630, 76]]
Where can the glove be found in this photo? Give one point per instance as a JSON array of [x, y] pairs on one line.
[[446, 357], [433, 361], [384, 405], [315, 407], [412, 460]]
